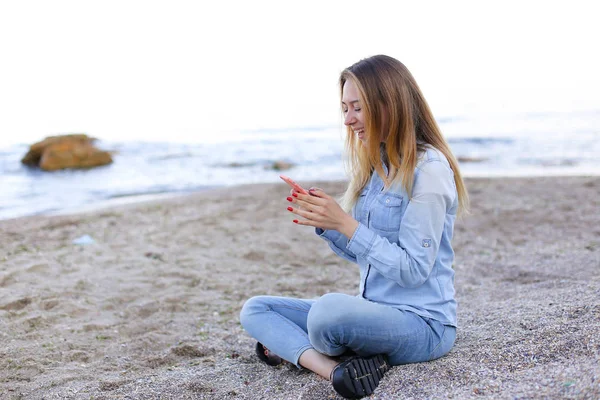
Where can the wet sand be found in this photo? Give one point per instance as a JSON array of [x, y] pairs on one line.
[[149, 310]]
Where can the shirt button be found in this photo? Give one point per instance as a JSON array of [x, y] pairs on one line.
[[387, 201]]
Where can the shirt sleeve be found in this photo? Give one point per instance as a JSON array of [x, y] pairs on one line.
[[337, 242], [410, 261]]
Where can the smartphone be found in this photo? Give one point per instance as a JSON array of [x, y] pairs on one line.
[[293, 184]]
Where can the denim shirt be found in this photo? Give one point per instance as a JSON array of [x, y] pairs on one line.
[[403, 245]]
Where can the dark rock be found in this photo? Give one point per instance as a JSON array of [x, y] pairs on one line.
[[280, 165]]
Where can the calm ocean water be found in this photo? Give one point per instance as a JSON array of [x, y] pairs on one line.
[[503, 145]]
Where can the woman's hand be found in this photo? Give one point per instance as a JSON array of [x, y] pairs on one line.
[[294, 192], [322, 211], [312, 188]]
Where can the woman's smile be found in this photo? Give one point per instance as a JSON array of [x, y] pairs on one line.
[[360, 132]]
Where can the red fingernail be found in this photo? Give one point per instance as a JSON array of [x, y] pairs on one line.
[[295, 195], [289, 199], [295, 221], [290, 209]]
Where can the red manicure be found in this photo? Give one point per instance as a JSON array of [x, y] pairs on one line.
[[295, 195], [290, 209], [295, 221], [289, 199]]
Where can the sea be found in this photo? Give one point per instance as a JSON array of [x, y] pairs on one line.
[[498, 145]]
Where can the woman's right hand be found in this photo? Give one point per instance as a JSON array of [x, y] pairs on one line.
[[294, 191]]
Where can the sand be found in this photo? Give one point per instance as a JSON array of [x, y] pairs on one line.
[[150, 309]]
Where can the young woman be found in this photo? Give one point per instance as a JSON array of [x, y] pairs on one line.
[[395, 222]]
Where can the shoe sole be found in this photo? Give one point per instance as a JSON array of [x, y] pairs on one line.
[[362, 375]]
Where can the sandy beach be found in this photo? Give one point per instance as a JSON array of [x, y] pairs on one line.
[[149, 310]]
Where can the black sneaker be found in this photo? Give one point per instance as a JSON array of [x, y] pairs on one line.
[[359, 376], [266, 356]]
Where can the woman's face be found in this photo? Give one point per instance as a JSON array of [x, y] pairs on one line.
[[353, 116]]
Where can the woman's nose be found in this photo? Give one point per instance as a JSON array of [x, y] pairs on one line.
[[349, 120]]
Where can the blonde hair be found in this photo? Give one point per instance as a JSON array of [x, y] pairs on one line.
[[389, 92]]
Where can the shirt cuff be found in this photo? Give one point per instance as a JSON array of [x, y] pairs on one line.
[[361, 241], [329, 235]]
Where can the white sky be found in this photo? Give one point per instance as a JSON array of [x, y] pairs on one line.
[[187, 70]]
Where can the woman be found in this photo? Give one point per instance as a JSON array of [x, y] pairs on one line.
[[396, 222]]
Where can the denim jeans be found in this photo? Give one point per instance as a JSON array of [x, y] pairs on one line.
[[337, 323]]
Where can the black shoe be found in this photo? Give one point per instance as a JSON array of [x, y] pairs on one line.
[[359, 376], [265, 355]]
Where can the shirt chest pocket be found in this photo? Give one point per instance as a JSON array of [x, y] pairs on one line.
[[386, 213]]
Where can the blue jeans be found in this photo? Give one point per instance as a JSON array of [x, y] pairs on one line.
[[336, 323]]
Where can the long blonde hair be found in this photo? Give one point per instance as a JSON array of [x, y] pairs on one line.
[[388, 90]]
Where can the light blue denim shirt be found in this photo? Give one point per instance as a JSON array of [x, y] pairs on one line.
[[403, 245]]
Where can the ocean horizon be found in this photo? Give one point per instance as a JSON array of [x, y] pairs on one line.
[[514, 145]]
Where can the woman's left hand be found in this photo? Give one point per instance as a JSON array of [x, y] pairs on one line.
[[322, 211]]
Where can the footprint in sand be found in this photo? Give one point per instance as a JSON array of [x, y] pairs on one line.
[[254, 256], [17, 305]]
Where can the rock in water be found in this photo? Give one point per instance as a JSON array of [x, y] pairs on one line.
[[280, 166], [66, 151]]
